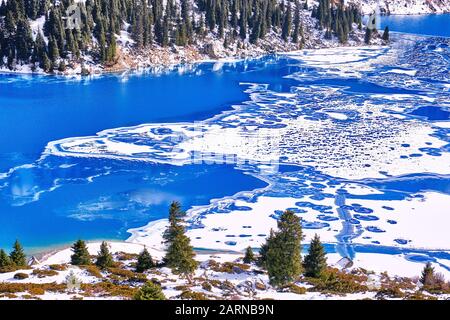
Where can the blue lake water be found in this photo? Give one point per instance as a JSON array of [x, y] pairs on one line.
[[433, 25], [37, 110], [48, 200], [109, 205]]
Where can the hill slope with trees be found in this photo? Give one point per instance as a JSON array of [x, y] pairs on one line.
[[109, 35]]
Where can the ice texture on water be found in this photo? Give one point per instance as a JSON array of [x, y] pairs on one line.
[[340, 120], [351, 126]]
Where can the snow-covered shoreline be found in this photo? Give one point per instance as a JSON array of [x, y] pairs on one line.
[[48, 279], [403, 7], [208, 49]]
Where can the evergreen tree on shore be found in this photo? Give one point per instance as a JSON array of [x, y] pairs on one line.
[[428, 276], [385, 36], [315, 262], [368, 36], [282, 251], [154, 22], [287, 23], [180, 254], [80, 254], [104, 257], [337, 18], [144, 261], [249, 256], [262, 259], [5, 261], [296, 31], [150, 291], [175, 218], [17, 256]]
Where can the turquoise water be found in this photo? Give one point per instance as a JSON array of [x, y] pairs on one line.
[[47, 200], [37, 110], [432, 25]]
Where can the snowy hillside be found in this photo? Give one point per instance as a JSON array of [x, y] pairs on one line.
[[163, 33], [404, 6]]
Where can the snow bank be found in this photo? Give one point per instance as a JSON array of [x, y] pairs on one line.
[[404, 7]]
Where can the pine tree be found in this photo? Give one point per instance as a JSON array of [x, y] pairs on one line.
[[180, 34], [296, 32], [341, 34], [10, 24], [39, 48], [287, 23], [186, 18], [72, 45], [17, 256], [255, 31], [234, 14], [243, 23], [80, 254], [104, 257], [211, 14], [62, 66], [221, 28], [138, 29], [263, 20], [150, 291], [319, 13], [4, 259], [428, 278], [24, 41], [249, 256], [101, 38], [144, 261], [200, 30], [180, 254], [386, 34], [112, 47], [165, 31], [316, 261], [226, 42], [53, 50], [45, 63], [367, 36], [175, 216], [262, 259], [10, 59], [283, 253]]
